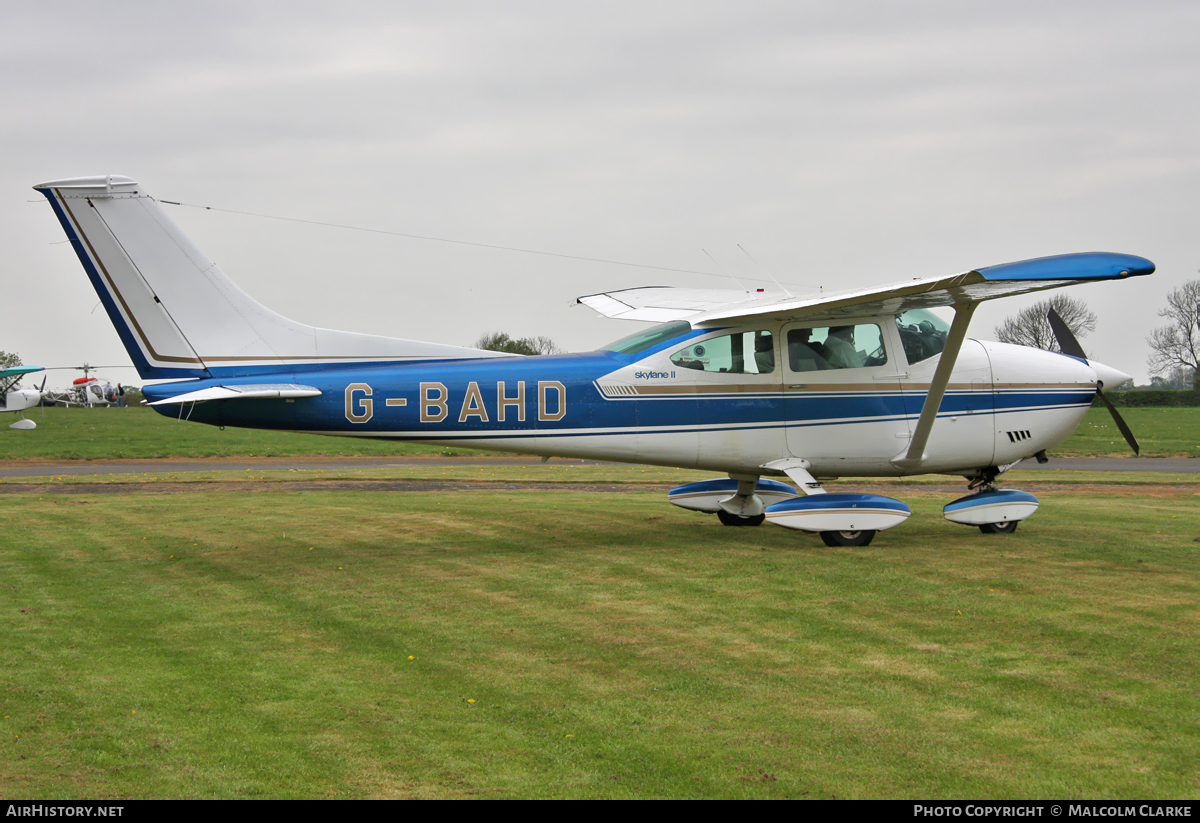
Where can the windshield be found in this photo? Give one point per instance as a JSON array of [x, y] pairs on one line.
[[642, 340], [923, 334]]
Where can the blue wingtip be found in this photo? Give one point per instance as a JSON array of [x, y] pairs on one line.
[[1092, 265]]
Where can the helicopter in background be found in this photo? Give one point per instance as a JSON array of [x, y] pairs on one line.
[[88, 390]]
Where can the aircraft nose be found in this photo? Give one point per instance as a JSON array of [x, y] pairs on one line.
[[1110, 377]]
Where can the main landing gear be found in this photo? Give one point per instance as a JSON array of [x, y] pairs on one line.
[[749, 500], [854, 538], [737, 501], [730, 519]]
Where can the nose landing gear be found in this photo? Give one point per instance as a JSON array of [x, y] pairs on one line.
[[994, 511]]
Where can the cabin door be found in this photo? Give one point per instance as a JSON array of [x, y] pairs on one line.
[[842, 394]]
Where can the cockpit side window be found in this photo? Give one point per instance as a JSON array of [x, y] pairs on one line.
[[923, 334], [749, 352], [835, 347]]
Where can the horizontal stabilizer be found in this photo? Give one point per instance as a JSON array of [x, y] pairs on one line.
[[241, 392]]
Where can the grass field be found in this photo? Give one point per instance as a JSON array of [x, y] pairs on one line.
[[140, 433], [561, 631], [295, 640], [98, 434], [1162, 432]]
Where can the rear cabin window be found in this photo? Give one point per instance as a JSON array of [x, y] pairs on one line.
[[835, 347], [751, 352]]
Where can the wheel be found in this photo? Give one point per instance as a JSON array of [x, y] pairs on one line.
[[1007, 527], [737, 520], [859, 538]]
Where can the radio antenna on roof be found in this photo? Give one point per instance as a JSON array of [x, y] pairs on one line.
[[755, 262], [722, 268]]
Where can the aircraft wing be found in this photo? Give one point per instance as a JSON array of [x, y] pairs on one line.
[[659, 304], [19, 370], [241, 392], [703, 306]]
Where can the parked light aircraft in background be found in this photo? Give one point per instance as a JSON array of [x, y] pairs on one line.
[[18, 400], [865, 383]]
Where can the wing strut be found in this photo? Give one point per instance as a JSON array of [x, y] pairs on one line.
[[941, 378]]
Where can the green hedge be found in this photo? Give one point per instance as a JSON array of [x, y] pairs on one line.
[[1154, 397]]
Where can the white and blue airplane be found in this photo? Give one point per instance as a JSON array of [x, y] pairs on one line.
[[755, 385], [18, 400]]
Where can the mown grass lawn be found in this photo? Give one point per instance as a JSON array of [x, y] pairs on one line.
[[551, 643], [138, 432], [1161, 432]]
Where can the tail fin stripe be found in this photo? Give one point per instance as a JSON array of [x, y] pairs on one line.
[[129, 316], [67, 221]]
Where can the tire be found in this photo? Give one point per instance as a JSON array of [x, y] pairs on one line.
[[1007, 527], [737, 520], [859, 538]]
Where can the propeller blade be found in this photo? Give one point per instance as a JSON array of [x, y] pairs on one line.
[[1066, 341], [1120, 421], [1069, 345]]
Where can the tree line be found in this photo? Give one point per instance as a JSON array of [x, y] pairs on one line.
[[1174, 348], [499, 341]]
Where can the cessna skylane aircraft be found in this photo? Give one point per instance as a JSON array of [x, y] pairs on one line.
[[865, 383]]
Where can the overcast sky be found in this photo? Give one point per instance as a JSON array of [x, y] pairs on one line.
[[842, 144]]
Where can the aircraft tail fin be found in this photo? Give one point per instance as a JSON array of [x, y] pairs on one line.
[[176, 311]]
